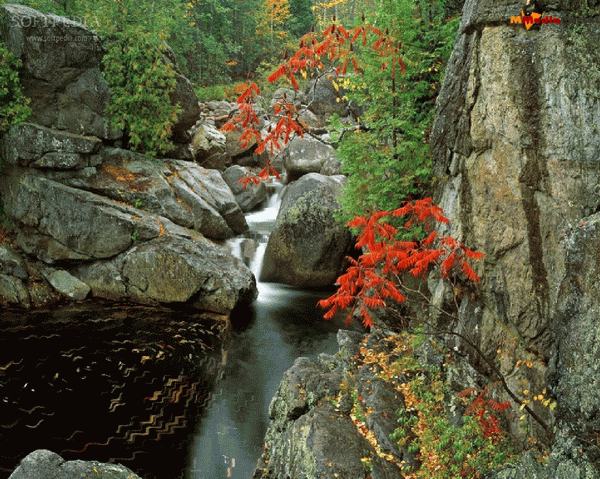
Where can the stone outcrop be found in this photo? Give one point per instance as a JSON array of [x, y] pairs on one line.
[[309, 436], [116, 215], [185, 96], [43, 464], [308, 246], [314, 414], [515, 138], [208, 147], [61, 70], [565, 461], [573, 370], [172, 269], [309, 155], [100, 215], [62, 77], [516, 148], [324, 98], [248, 196]]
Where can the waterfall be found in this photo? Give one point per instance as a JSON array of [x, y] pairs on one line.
[[250, 246]]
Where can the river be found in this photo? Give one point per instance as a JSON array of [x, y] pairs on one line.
[[283, 324]]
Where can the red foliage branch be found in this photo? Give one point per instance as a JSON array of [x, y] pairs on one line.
[[335, 44], [376, 275], [484, 410]]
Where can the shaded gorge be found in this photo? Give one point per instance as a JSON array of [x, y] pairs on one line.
[[284, 323]]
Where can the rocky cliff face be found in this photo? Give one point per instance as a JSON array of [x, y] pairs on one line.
[[94, 220], [517, 150]]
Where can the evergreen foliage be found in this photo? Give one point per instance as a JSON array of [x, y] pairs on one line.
[[387, 159], [137, 69], [302, 17], [141, 82], [14, 107]]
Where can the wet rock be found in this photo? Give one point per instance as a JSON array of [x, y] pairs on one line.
[[13, 290], [12, 263], [67, 284], [248, 196], [307, 155], [171, 269], [210, 186], [44, 464], [308, 246]]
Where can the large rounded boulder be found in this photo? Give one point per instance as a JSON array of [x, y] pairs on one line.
[[308, 155], [308, 245]]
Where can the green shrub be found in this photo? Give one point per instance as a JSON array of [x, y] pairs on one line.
[[215, 92], [388, 160], [14, 107], [141, 84]]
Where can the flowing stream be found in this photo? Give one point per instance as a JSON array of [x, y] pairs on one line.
[[283, 324]]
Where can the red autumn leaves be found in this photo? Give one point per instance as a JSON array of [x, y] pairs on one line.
[[376, 276]]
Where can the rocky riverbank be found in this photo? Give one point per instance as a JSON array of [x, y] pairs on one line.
[[88, 219], [43, 464], [344, 415]]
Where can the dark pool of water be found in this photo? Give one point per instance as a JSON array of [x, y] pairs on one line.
[[106, 382]]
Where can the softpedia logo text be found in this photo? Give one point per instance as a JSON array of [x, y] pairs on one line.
[[533, 19]]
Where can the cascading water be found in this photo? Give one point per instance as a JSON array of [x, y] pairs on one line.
[[283, 324]]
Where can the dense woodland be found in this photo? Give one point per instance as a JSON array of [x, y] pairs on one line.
[[219, 40], [219, 44]]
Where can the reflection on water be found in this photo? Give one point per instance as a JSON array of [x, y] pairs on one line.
[[106, 382]]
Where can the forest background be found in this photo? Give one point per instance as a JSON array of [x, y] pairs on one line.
[[221, 43]]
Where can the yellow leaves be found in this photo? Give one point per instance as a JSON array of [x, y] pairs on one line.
[[524, 362]]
